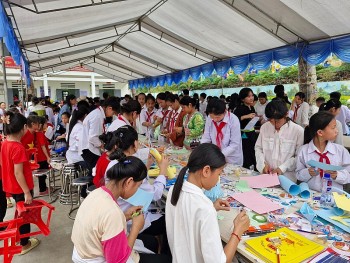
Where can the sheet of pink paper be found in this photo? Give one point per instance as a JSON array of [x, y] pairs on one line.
[[256, 202], [262, 181]]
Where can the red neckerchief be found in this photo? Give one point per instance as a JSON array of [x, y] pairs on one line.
[[219, 134], [149, 115], [120, 118], [296, 112], [323, 156], [173, 118]]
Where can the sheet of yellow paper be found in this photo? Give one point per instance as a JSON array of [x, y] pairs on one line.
[[342, 201]]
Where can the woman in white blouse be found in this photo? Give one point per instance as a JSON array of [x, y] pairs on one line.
[[279, 141], [191, 218], [74, 135]]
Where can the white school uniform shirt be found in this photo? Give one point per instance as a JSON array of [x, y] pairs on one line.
[[144, 117], [231, 145], [337, 155], [344, 118], [72, 154], [313, 110], [156, 188], [50, 115], [260, 108], [279, 149], [339, 138], [117, 123], [139, 128], [203, 107], [93, 128], [159, 114], [192, 227], [302, 117]]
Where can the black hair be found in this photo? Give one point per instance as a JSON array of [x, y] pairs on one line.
[[321, 99], [335, 95], [113, 102], [35, 100], [276, 109], [131, 106], [300, 95], [109, 140], [43, 120], [329, 105], [222, 97], [216, 107], [33, 119], [83, 103], [150, 97], [278, 89], [125, 137], [77, 115], [142, 94], [172, 97], [16, 102], [318, 121], [186, 100], [186, 92], [16, 122], [243, 93], [105, 95], [127, 96], [127, 167], [203, 95], [262, 95], [234, 102], [69, 98], [67, 114], [161, 96], [203, 155], [255, 97], [195, 96]]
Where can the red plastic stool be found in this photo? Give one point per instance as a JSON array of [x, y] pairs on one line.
[[10, 236], [31, 214]]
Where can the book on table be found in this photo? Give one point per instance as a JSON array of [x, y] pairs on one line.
[[292, 247]]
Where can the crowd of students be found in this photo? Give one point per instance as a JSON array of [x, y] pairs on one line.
[[103, 138]]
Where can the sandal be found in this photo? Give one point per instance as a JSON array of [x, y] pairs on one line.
[[9, 203], [34, 242]]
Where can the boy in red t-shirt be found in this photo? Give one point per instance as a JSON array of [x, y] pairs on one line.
[[17, 177], [43, 157]]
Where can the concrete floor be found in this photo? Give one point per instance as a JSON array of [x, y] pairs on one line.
[[57, 247]]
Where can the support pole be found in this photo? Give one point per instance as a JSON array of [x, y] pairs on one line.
[[93, 87], [2, 50], [46, 85], [307, 80]]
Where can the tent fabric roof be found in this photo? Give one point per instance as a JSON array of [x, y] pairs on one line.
[[132, 39]]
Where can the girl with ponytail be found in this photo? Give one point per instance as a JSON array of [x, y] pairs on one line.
[[320, 133], [191, 218]]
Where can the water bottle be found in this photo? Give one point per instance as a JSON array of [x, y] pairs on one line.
[[326, 196]]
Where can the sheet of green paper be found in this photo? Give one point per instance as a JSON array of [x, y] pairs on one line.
[[243, 186]]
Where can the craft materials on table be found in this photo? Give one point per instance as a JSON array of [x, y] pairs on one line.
[[342, 201], [256, 202], [242, 186], [142, 198], [329, 215], [328, 256], [291, 246], [307, 212], [304, 190], [324, 166], [288, 185], [262, 181]]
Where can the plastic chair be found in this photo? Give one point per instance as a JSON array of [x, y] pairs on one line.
[[31, 214], [10, 236]]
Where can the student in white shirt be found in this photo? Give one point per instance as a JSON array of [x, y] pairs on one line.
[[203, 105], [260, 106], [129, 113], [191, 218], [222, 128], [94, 126], [279, 141], [318, 136], [315, 108], [74, 135], [334, 106], [141, 98], [344, 114], [162, 114], [300, 110], [127, 145], [148, 116]]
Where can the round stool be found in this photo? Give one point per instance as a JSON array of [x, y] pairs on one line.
[[69, 173], [90, 189], [43, 172], [79, 183]]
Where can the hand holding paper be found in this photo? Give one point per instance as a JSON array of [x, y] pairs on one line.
[[141, 198], [324, 166]]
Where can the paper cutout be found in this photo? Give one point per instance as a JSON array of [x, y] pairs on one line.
[[307, 212], [288, 185], [256, 202], [141, 197], [304, 190], [324, 166], [262, 181], [342, 201], [327, 214], [338, 211], [345, 220], [242, 186], [251, 124]]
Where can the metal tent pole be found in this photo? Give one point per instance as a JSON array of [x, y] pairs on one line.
[[2, 50]]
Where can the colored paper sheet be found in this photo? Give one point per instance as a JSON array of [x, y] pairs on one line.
[[243, 186], [262, 181], [324, 166], [307, 212], [304, 190], [256, 202], [342, 201], [288, 185], [141, 197], [326, 214], [251, 124]]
